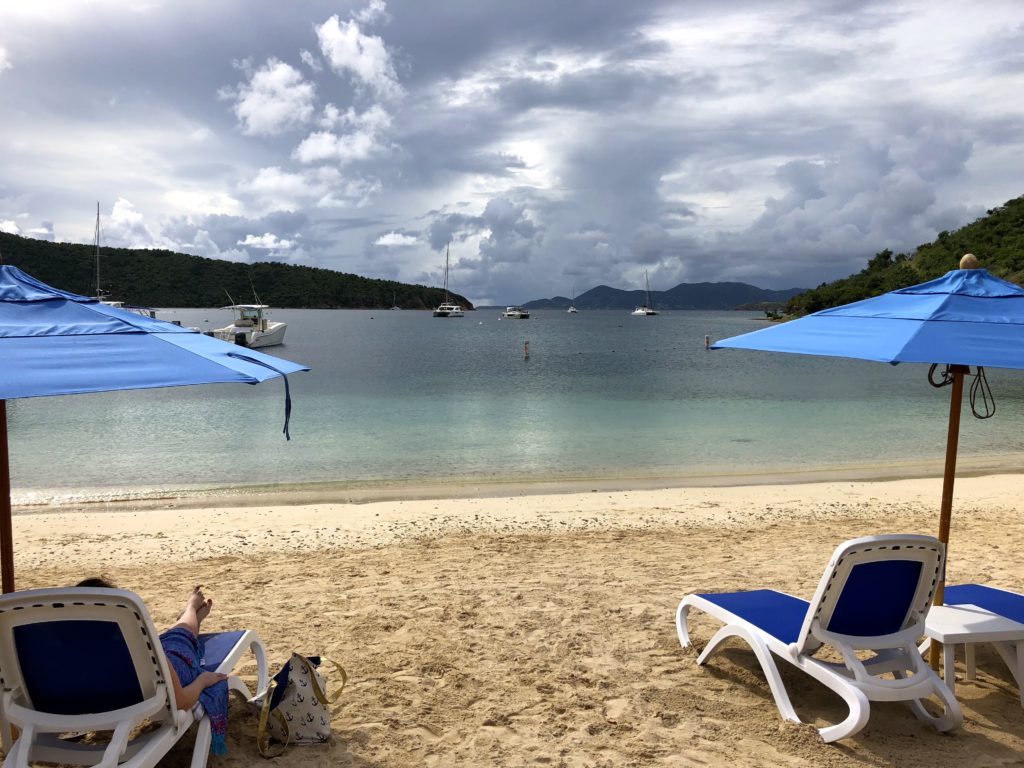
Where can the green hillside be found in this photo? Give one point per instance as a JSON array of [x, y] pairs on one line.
[[167, 279], [997, 239]]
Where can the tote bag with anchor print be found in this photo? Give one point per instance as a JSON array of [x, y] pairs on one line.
[[295, 709]]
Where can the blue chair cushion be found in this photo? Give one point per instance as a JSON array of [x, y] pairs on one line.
[[775, 613], [1010, 605], [75, 667], [217, 646], [876, 598]]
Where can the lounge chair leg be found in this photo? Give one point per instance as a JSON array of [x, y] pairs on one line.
[[764, 656], [262, 676], [204, 735], [1012, 655], [682, 614], [860, 710], [952, 716]]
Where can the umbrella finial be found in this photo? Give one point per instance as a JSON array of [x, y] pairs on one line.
[[968, 261]]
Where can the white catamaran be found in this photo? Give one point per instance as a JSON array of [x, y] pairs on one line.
[[447, 309], [645, 309]]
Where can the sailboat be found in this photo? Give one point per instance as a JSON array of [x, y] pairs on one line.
[[645, 309], [447, 309], [572, 305], [144, 311]]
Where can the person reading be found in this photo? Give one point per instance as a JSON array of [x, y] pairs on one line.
[[183, 648]]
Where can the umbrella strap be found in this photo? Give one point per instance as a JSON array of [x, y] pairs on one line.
[[978, 387], [287, 389]]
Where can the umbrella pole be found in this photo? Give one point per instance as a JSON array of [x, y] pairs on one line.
[[6, 531], [956, 397]]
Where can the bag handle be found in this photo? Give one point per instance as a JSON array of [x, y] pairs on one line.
[[322, 697], [344, 679], [262, 737]]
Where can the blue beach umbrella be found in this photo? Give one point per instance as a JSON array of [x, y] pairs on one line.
[[58, 343], [965, 318]]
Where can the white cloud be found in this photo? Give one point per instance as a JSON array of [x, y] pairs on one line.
[[356, 192], [310, 60], [43, 232], [365, 140], [377, 9], [204, 245], [275, 99], [395, 239], [9, 226], [279, 190], [266, 241], [126, 228], [203, 201], [5, 63], [364, 57]]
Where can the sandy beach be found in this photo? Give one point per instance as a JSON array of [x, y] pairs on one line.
[[538, 629]]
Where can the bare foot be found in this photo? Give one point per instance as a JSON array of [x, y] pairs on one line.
[[196, 599], [204, 610]]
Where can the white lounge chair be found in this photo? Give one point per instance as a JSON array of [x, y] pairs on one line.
[[80, 660], [873, 596]]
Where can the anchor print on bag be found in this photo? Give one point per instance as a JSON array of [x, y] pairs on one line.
[[297, 699]]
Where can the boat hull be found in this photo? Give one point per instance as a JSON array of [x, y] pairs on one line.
[[448, 310], [271, 337]]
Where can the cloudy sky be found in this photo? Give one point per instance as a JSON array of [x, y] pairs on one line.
[[554, 144]]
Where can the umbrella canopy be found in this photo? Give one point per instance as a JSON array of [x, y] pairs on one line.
[[965, 318], [57, 343]]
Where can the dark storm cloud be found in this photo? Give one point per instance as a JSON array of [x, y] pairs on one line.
[[552, 143]]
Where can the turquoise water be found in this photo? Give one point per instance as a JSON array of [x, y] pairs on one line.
[[404, 398]]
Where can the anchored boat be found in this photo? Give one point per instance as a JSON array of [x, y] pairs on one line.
[[252, 327]]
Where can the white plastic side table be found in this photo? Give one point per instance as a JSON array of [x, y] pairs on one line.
[[969, 625]]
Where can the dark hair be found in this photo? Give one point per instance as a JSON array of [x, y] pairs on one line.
[[96, 581]]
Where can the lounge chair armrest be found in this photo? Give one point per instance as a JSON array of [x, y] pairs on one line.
[[251, 642], [45, 722]]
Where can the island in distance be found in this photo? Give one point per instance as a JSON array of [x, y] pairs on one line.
[[683, 296]]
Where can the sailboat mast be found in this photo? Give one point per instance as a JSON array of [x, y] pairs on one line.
[[99, 295], [446, 249]]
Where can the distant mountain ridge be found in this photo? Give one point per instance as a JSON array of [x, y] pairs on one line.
[[683, 296]]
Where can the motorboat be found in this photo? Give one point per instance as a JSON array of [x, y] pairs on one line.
[[251, 327], [517, 313], [645, 309]]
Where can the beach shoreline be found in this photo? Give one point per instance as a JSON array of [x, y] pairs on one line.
[[115, 499], [204, 527]]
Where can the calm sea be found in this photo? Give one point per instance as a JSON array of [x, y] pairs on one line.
[[404, 398]]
